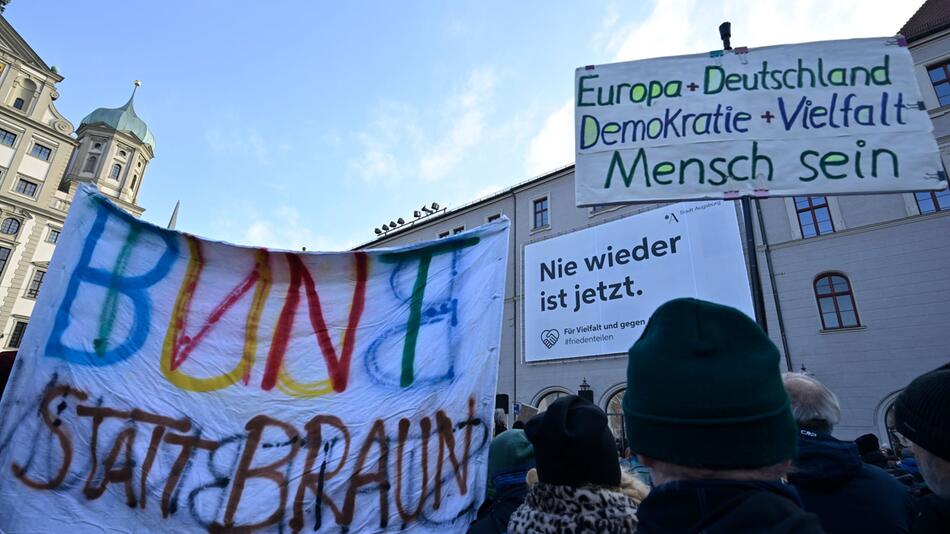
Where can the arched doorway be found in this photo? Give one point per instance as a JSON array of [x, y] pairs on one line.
[[894, 439], [614, 409], [547, 397], [887, 426]]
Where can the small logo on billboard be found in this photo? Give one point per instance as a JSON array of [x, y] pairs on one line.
[[549, 337], [671, 217]]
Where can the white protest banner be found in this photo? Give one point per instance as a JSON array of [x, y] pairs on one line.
[[172, 384], [809, 119], [590, 292]]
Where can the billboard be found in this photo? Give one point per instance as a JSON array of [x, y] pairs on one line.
[[590, 292], [818, 118]]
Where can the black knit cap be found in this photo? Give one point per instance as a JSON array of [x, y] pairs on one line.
[[922, 411], [573, 445]]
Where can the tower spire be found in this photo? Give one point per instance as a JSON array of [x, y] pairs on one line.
[[136, 85], [174, 219]]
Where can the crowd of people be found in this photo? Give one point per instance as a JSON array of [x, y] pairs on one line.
[[719, 441]]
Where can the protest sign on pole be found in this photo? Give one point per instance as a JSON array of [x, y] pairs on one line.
[[819, 118], [172, 384], [590, 292]]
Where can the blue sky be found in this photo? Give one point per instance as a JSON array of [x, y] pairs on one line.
[[289, 124]]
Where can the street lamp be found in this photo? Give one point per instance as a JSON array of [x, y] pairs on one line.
[[585, 392]]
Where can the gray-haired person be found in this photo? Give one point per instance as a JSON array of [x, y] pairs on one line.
[[845, 493]]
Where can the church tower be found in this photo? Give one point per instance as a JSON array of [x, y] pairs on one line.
[[115, 147]]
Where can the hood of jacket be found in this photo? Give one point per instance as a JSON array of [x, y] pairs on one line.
[[550, 508], [721, 506], [824, 461]]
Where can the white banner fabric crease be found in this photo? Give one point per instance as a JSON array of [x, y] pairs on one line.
[[817, 118], [591, 292], [172, 384]]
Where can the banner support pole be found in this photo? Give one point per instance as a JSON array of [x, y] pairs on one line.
[[758, 297]]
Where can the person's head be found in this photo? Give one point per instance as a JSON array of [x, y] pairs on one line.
[[518, 425], [867, 443], [500, 424], [705, 398], [573, 445], [934, 469], [922, 415], [510, 456], [814, 406]]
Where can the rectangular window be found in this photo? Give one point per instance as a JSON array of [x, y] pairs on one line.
[[541, 213], [931, 201], [4, 256], [940, 78], [34, 290], [26, 187], [17, 335], [814, 217], [458, 230], [53, 236], [7, 137], [41, 152], [493, 218], [444, 234]]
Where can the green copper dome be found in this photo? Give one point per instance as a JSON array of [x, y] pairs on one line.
[[122, 119]]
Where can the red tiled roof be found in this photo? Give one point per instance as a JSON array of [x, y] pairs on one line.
[[933, 16]]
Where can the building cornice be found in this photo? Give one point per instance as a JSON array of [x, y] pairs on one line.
[[49, 213], [472, 205], [837, 234], [16, 117]]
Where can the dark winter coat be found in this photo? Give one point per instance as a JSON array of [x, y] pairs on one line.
[[933, 516], [555, 509], [845, 493], [724, 506], [495, 519]]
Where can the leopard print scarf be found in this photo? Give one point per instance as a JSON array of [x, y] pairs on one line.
[[550, 509]]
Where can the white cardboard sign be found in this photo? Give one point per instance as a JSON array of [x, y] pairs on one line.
[[818, 118]]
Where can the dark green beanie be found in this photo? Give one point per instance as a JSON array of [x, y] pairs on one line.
[[509, 453], [704, 390]]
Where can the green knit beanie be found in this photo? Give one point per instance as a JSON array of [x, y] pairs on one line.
[[704, 390], [509, 453]]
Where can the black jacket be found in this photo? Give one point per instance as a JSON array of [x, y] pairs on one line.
[[933, 516], [845, 493], [724, 506], [495, 519]]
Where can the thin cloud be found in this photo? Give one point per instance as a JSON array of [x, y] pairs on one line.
[[553, 146], [282, 227], [407, 142], [243, 141]]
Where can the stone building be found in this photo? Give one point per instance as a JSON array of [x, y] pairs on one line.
[[41, 161], [856, 287]]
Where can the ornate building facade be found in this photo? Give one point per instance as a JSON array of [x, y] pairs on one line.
[[42, 161]]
